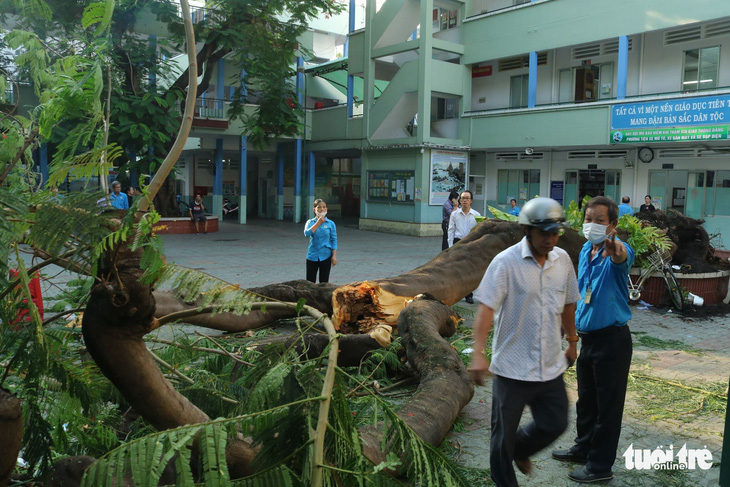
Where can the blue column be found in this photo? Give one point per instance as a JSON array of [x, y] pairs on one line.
[[43, 162], [150, 158], [280, 181], [350, 95], [133, 175], [243, 179], [220, 85], [244, 86], [300, 81], [218, 180], [623, 67], [153, 58], [298, 182], [350, 79], [310, 175], [351, 19], [532, 81]]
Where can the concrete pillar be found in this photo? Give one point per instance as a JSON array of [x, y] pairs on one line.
[[280, 181], [243, 179], [220, 84], [218, 180], [43, 162]]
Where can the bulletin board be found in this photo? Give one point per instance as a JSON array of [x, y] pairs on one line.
[[391, 186]]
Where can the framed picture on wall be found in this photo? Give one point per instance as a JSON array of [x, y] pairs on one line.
[[448, 173]]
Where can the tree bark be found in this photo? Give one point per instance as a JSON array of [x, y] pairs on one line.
[[445, 386], [11, 432]]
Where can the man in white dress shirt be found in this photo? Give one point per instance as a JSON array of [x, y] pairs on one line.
[[532, 285], [461, 222]]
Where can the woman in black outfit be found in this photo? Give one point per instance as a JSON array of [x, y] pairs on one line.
[[647, 206]]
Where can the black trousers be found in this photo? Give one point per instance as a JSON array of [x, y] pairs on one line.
[[549, 406], [445, 239], [321, 266], [603, 370]]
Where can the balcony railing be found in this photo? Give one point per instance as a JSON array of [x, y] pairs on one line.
[[210, 108]]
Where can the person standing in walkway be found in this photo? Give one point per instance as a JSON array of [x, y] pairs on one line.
[[605, 356], [647, 206], [624, 208], [322, 250], [450, 206], [460, 224], [196, 210], [533, 284], [514, 210], [117, 198]]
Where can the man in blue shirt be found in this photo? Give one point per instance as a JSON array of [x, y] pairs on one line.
[[118, 199], [515, 210], [450, 206], [603, 365], [624, 208]]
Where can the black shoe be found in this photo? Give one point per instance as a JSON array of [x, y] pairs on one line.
[[469, 300], [584, 476], [569, 456]]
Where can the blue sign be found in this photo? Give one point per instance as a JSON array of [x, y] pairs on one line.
[[685, 112], [556, 191]]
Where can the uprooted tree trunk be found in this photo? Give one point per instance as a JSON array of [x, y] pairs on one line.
[[691, 240]]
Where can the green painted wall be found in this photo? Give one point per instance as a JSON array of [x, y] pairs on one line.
[[575, 22], [549, 128], [396, 160]]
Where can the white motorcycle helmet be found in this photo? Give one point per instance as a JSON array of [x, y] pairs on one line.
[[543, 213]]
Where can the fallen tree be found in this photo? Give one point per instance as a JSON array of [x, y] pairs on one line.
[[122, 309], [692, 242]]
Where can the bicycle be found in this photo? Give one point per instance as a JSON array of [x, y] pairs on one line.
[[659, 261]]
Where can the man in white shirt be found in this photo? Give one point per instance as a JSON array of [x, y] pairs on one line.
[[460, 224], [532, 285]]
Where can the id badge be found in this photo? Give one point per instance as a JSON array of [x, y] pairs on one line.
[[587, 298]]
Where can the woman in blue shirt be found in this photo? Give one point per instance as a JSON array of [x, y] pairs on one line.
[[322, 251]]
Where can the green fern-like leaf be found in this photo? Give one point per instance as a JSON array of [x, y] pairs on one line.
[[501, 215], [146, 457]]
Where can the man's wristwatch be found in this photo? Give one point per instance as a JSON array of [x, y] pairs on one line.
[[572, 339]]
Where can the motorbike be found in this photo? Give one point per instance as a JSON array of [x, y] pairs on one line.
[[229, 208]]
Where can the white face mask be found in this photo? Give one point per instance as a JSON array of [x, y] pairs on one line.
[[595, 233], [321, 215]]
